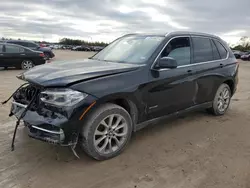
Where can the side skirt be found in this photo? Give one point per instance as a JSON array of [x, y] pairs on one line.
[[175, 114]]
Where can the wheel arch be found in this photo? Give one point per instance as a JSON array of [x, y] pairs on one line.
[[231, 85], [126, 101], [128, 105]]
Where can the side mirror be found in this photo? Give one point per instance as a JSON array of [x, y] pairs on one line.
[[167, 62]]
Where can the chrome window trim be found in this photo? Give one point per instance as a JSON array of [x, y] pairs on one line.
[[189, 65]]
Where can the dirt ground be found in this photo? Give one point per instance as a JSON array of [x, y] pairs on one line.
[[198, 150]]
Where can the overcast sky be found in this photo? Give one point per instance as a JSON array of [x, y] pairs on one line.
[[105, 20]]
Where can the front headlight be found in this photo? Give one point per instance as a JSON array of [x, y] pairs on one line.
[[62, 97]]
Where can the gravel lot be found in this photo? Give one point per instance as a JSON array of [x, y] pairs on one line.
[[198, 150]]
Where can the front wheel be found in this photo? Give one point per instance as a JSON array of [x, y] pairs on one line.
[[27, 64], [106, 132], [221, 100]]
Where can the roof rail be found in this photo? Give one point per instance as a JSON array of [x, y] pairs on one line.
[[129, 34]]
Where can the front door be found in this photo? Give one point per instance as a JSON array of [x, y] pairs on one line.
[[13, 55], [171, 90]]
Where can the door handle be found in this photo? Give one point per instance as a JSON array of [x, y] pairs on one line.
[[189, 71], [221, 65], [22, 54]]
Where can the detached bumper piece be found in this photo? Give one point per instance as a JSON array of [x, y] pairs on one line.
[[47, 135]]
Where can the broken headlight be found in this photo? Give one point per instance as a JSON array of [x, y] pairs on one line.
[[62, 97]]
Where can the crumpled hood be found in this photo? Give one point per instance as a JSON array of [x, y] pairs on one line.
[[63, 73]]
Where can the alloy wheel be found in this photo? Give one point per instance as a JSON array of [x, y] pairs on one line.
[[46, 56], [223, 100], [27, 64], [110, 134]]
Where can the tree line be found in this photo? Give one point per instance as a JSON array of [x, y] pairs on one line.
[[68, 41], [244, 44], [242, 48]]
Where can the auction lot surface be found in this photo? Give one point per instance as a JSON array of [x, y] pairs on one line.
[[198, 150]]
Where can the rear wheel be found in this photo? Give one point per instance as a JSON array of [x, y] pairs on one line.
[[221, 100], [106, 132], [27, 64], [46, 56]]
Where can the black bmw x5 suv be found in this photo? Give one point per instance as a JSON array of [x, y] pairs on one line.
[[136, 80]]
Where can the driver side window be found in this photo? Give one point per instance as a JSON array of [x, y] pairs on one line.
[[178, 49]]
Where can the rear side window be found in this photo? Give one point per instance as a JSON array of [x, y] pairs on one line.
[[215, 51], [13, 49], [202, 49], [25, 44], [221, 49]]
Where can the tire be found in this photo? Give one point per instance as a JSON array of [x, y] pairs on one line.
[[46, 56], [221, 100], [97, 138], [27, 64]]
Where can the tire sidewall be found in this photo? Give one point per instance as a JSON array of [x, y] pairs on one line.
[[215, 102], [89, 134], [47, 56]]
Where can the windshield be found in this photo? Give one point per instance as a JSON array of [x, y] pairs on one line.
[[130, 49]]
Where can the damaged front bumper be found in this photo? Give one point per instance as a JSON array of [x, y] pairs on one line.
[[60, 126]]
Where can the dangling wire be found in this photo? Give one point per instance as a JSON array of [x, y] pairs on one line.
[[14, 93], [21, 116]]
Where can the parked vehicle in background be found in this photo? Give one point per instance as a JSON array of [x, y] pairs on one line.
[[12, 55], [56, 46], [47, 51], [66, 47], [42, 45], [246, 56], [97, 48], [51, 46], [81, 48], [135, 81], [237, 54]]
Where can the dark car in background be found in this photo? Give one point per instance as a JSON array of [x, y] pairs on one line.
[[246, 56], [81, 48], [237, 54], [97, 48], [12, 55], [47, 51], [135, 81]]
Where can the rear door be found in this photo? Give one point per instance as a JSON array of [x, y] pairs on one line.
[[207, 64], [14, 55]]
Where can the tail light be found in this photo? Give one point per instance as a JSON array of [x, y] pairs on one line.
[[41, 55]]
